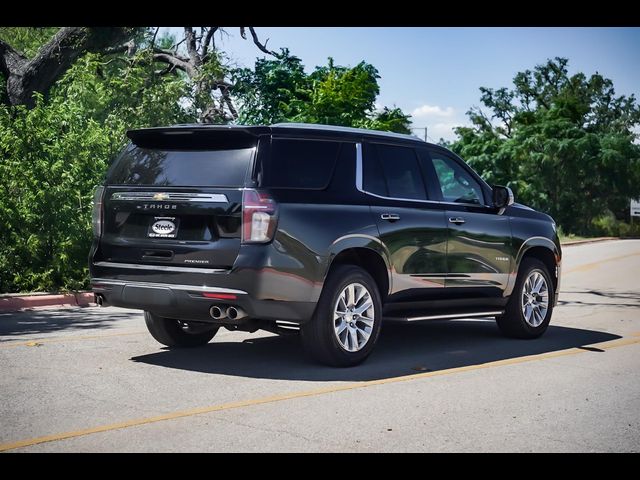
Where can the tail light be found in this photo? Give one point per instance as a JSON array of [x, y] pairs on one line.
[[96, 213], [259, 217]]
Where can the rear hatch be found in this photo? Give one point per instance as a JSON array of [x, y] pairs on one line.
[[174, 198]]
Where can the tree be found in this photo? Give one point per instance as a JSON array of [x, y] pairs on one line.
[[25, 76], [274, 91], [389, 120], [195, 55], [279, 90], [53, 155], [565, 143]]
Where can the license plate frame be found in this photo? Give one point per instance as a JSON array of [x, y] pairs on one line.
[[163, 227]]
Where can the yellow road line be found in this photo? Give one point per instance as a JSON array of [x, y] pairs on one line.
[[309, 393], [35, 342], [589, 266]]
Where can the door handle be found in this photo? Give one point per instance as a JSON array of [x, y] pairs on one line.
[[390, 217], [456, 220]]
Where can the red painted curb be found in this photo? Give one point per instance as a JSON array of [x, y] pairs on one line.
[[14, 303]]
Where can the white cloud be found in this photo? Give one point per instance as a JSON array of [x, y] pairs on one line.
[[440, 122], [426, 112], [443, 130]]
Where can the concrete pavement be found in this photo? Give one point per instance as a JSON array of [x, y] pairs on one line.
[[89, 379]]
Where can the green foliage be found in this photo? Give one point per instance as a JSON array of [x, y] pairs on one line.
[[27, 40], [388, 120], [274, 91], [280, 91], [607, 225], [564, 144], [52, 157]]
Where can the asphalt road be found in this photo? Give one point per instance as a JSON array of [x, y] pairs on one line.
[[90, 379]]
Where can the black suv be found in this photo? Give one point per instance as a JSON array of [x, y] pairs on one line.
[[319, 229]]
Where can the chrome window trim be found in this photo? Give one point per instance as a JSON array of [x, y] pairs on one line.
[[191, 288], [162, 268], [171, 197], [360, 187], [359, 175]]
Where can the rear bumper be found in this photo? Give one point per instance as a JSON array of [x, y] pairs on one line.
[[188, 302]]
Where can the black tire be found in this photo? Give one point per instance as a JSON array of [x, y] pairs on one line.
[[513, 323], [177, 334], [318, 335]]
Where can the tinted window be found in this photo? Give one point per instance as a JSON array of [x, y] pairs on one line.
[[301, 164], [401, 171], [142, 166], [373, 178], [456, 184]]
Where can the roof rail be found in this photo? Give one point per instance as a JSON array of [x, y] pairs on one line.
[[337, 128]]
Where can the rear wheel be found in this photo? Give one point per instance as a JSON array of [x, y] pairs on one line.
[[529, 310], [178, 333], [346, 324]]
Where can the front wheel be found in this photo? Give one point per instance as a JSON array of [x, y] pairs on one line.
[[529, 309], [346, 324], [177, 333]]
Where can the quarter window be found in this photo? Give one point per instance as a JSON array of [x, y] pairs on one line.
[[306, 164]]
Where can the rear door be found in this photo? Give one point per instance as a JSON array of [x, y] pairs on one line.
[[176, 203]]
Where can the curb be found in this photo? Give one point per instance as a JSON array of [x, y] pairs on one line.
[[587, 240], [13, 303]]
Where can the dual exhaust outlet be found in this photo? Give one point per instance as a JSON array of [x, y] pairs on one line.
[[232, 313]]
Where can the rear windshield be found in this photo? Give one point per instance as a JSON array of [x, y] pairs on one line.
[[181, 168]]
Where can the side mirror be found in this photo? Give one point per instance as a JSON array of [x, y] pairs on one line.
[[502, 196]]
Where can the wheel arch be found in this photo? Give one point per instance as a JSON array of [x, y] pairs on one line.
[[372, 260], [543, 249]]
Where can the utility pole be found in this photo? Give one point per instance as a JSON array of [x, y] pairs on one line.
[[422, 128]]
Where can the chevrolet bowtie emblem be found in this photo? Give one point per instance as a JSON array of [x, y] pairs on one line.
[[160, 196]]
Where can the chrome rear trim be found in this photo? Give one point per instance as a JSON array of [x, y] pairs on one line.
[[190, 288], [171, 197], [161, 268]]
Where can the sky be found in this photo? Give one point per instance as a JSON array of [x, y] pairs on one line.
[[434, 73]]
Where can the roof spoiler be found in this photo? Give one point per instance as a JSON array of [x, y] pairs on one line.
[[197, 137]]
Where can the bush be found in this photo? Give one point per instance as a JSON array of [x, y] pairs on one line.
[[53, 156], [608, 226]]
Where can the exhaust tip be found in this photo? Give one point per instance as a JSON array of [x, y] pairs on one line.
[[216, 313], [236, 313]]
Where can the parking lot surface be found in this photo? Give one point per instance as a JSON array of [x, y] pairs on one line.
[[93, 379]]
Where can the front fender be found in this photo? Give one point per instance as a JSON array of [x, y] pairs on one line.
[[527, 245]]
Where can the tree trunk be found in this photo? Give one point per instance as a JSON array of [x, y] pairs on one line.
[[24, 77]]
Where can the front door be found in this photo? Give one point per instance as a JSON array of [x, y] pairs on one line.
[[479, 238]]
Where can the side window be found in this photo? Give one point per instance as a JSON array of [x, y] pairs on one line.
[[373, 178], [401, 171], [306, 164], [456, 184]]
